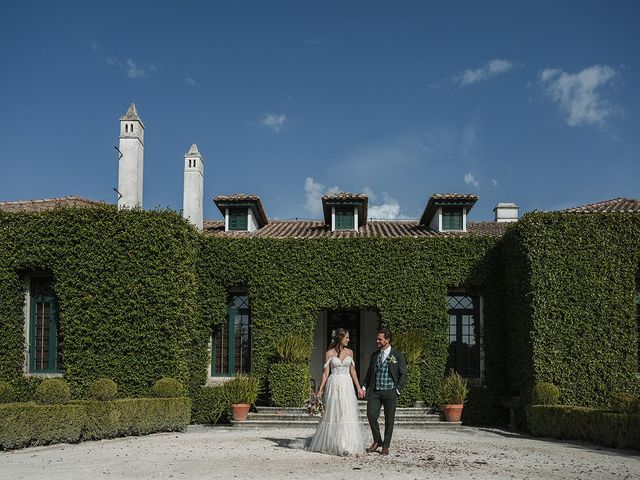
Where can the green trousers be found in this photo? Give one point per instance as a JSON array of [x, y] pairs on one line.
[[378, 398]]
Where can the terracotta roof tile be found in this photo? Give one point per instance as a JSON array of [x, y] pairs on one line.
[[373, 228], [621, 204], [48, 204]]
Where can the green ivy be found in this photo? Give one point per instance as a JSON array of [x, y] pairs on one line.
[[570, 302], [128, 291], [406, 280]]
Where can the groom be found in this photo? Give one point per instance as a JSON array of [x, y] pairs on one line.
[[383, 384]]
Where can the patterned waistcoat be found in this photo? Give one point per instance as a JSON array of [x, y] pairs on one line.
[[383, 377]]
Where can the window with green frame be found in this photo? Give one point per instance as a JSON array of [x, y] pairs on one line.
[[451, 218], [232, 340], [464, 335], [344, 218], [45, 352], [238, 218]]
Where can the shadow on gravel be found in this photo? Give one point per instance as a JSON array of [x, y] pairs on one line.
[[297, 443], [569, 443]]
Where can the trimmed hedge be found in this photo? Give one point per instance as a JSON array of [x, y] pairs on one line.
[[588, 424], [30, 424], [135, 416], [289, 384], [209, 406]]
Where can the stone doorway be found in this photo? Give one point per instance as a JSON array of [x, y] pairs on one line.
[[362, 326]]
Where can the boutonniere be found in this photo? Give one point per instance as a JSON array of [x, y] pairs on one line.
[[392, 359]]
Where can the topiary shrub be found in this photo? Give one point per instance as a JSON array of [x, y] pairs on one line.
[[544, 393], [622, 402], [289, 384], [103, 389], [7, 393], [294, 349], [168, 387], [411, 344], [52, 391]]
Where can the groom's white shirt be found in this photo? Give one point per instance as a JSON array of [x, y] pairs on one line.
[[385, 353]]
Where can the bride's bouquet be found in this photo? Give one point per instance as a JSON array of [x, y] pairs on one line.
[[315, 405]]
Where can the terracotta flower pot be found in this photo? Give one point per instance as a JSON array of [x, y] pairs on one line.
[[240, 411], [452, 413]]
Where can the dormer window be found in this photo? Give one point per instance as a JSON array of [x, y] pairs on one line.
[[242, 213], [447, 212], [345, 211], [344, 218], [238, 219], [452, 218]]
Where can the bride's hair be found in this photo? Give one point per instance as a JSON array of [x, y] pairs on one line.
[[338, 335]]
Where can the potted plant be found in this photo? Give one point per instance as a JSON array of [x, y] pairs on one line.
[[454, 394], [240, 392]]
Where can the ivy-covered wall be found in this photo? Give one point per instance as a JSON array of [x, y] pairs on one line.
[[570, 304], [128, 292], [405, 280], [140, 291]]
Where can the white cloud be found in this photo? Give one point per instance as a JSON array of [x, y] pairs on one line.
[[313, 193], [190, 81], [578, 94], [134, 70], [470, 179], [490, 69], [388, 210], [273, 121], [494, 182]]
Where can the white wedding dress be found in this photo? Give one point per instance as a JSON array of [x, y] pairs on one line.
[[339, 431]]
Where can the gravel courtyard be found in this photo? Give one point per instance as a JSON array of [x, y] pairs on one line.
[[215, 452]]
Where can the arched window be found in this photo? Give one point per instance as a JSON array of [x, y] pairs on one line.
[[194, 162], [126, 128]]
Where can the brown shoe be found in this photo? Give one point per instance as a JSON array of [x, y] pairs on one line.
[[385, 451], [374, 446]]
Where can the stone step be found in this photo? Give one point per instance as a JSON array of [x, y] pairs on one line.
[[288, 417], [300, 414], [276, 423]]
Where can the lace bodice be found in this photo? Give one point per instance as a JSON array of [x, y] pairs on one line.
[[339, 367]]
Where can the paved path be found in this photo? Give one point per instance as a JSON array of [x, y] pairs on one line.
[[215, 452]]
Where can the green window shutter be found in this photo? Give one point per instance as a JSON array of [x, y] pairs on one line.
[[344, 218], [451, 218], [238, 219]]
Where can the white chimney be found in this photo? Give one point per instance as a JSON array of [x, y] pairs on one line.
[[506, 212], [193, 198], [131, 162]]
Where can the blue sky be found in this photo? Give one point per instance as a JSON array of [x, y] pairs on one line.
[[535, 103]]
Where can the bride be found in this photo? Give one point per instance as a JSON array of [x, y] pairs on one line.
[[339, 431]]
